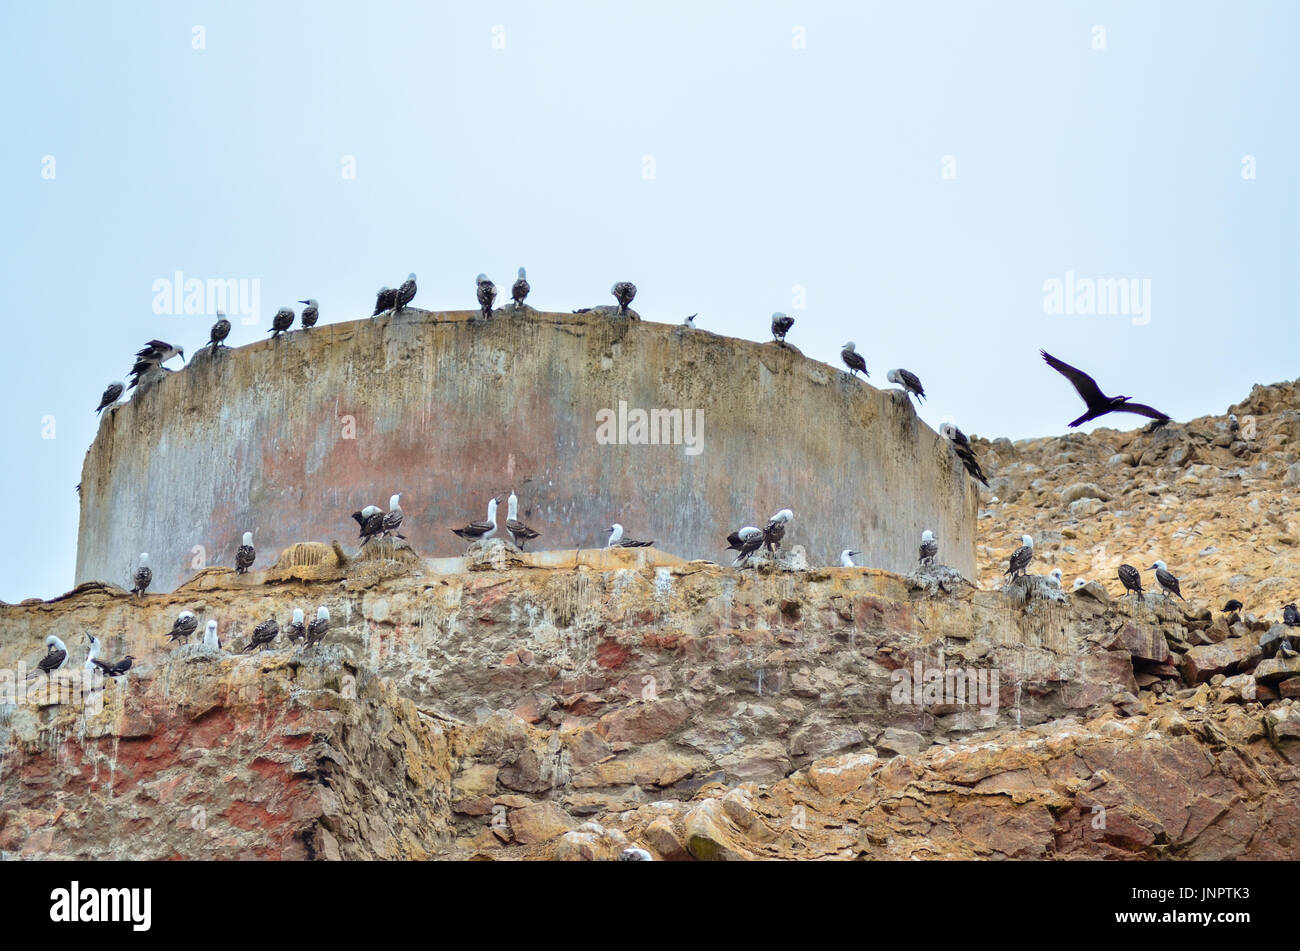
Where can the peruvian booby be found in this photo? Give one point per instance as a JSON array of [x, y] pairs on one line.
[[386, 299], [319, 626], [1055, 577], [56, 655], [210, 638], [487, 293], [961, 445], [519, 290], [929, 548], [690, 321], [1131, 579], [1233, 425], [143, 574], [618, 540], [245, 554], [746, 541], [297, 628], [1021, 557], [151, 357], [93, 652], [1078, 583], [263, 635], [392, 519], [310, 313], [781, 325], [184, 625], [635, 855], [519, 532], [404, 294], [112, 394], [774, 531], [853, 360], [479, 531], [908, 381], [1166, 579], [281, 322], [1099, 404], [846, 558], [220, 331], [371, 521], [624, 292]]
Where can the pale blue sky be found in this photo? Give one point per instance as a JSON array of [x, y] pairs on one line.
[[774, 167]]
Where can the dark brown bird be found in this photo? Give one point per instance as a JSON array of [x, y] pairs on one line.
[[623, 292], [1131, 579], [1099, 404]]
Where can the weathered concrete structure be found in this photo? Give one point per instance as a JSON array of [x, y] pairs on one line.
[[287, 437]]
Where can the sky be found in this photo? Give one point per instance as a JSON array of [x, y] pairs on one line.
[[909, 176]]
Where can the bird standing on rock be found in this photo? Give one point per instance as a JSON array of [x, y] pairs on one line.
[[143, 575], [746, 541], [404, 294], [111, 395], [386, 299], [1290, 616], [480, 531], [908, 381], [962, 447], [1021, 557], [263, 635], [319, 626], [846, 558], [281, 322], [519, 532], [929, 548], [623, 292], [392, 519], [618, 540], [297, 628], [519, 290], [184, 625], [371, 521], [310, 313], [774, 531], [56, 655], [220, 331], [245, 555], [853, 360], [1166, 579], [210, 639], [1131, 579], [781, 325]]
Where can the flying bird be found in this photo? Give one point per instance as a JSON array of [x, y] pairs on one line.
[[56, 655], [618, 540], [111, 395], [853, 360], [263, 635], [392, 519], [1021, 557], [1099, 404], [908, 381], [929, 548], [519, 290], [371, 521], [404, 294], [210, 638], [781, 325], [386, 299], [1131, 579], [846, 558], [245, 554], [297, 628], [961, 445], [220, 331], [143, 574], [774, 531], [487, 293], [184, 625], [1166, 579], [481, 531], [519, 532], [623, 292], [319, 626], [310, 313]]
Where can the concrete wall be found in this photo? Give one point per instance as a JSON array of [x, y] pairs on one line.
[[450, 411]]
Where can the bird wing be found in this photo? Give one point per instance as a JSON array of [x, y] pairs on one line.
[[1142, 409], [911, 381], [52, 660], [1085, 385]]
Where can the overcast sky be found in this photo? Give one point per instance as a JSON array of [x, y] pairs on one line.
[[911, 176]]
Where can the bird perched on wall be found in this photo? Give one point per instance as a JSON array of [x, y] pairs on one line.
[[519, 290], [296, 630], [371, 521], [405, 294], [519, 532], [281, 322], [245, 554], [618, 540], [487, 293], [961, 445], [781, 325], [1099, 404], [846, 558], [1232, 607], [220, 331], [143, 575], [110, 670], [392, 519], [929, 548], [1131, 579], [746, 541], [1166, 579], [310, 313], [908, 381], [111, 395], [624, 292], [853, 360], [149, 361], [184, 625], [1021, 557], [1078, 583], [1290, 616], [481, 531], [774, 531], [319, 626], [263, 634], [690, 321], [56, 655], [1055, 577], [210, 638], [386, 299]]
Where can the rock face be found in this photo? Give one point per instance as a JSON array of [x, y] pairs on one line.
[[450, 410]]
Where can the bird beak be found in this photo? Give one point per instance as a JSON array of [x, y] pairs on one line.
[[302, 302]]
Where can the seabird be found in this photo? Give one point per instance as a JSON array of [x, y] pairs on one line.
[[1078, 583], [929, 548], [520, 532], [56, 655], [319, 626], [1290, 616], [404, 294], [1099, 404], [519, 290], [1021, 557], [635, 855], [143, 574], [93, 652], [1233, 425], [846, 558], [853, 360], [281, 322], [481, 531], [386, 299], [1166, 579], [151, 357], [245, 554], [220, 331], [487, 293], [623, 292], [781, 325], [210, 636], [297, 629], [1232, 606], [371, 521], [1131, 579], [908, 381], [263, 634], [618, 540], [1055, 576], [392, 519], [185, 625], [110, 670], [310, 313], [690, 321], [774, 531], [961, 445], [746, 541], [111, 395]]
